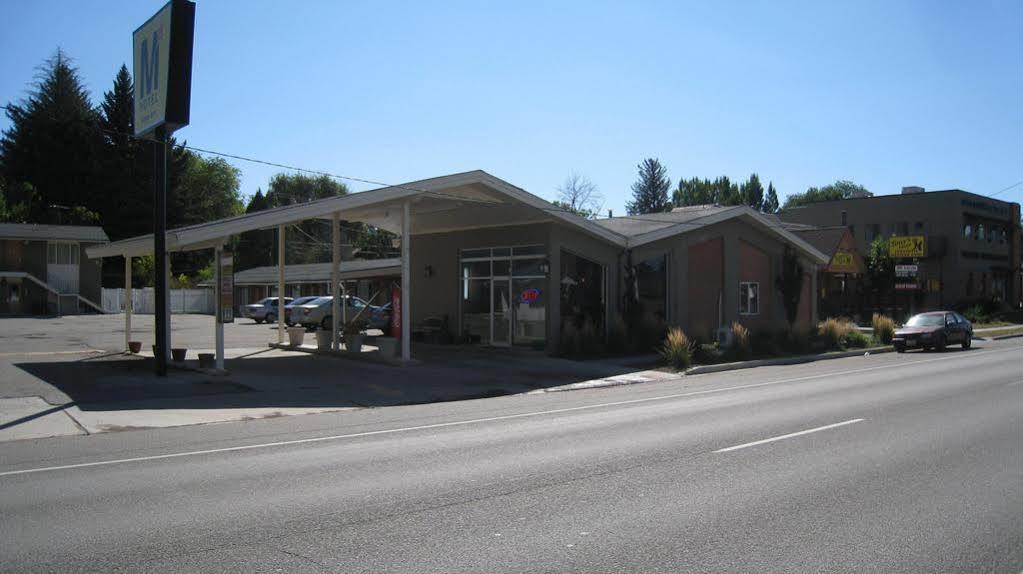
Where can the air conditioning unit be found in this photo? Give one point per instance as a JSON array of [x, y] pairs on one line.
[[724, 337]]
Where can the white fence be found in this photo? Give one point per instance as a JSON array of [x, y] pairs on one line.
[[143, 301]]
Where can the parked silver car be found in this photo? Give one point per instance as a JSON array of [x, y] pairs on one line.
[[264, 309], [297, 302], [317, 313]]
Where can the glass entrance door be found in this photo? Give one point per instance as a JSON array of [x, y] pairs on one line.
[[500, 315]]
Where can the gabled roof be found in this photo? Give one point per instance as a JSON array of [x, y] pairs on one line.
[[643, 229], [469, 200], [825, 239], [40, 232]]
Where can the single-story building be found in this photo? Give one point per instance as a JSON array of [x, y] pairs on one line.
[[43, 270], [500, 266]]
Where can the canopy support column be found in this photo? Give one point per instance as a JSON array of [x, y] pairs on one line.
[[218, 321], [280, 284], [406, 283], [335, 279], [127, 303]]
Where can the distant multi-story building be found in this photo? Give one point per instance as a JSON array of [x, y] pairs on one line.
[[961, 247]]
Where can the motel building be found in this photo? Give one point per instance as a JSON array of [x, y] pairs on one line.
[[500, 267]]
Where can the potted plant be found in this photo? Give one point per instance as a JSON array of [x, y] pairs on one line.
[[178, 354], [323, 339], [296, 335], [353, 335], [134, 347]]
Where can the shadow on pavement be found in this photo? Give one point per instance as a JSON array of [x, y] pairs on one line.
[[291, 380]]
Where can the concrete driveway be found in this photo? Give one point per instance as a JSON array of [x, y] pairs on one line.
[[67, 375]]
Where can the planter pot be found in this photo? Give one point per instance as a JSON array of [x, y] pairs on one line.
[[178, 355], [388, 346], [323, 339], [296, 335], [354, 343], [134, 347], [207, 360]]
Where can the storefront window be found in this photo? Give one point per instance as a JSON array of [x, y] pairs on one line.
[[582, 292], [503, 295], [749, 298], [652, 289]]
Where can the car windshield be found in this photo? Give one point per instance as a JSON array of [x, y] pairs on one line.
[[926, 321]]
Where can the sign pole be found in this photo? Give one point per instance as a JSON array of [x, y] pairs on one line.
[[160, 249]]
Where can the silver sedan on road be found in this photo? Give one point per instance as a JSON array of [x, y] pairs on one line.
[[264, 309]]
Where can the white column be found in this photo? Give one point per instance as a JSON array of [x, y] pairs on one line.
[[335, 278], [127, 301], [218, 323], [280, 284], [406, 283]]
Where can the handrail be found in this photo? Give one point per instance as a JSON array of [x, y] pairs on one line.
[[48, 287]]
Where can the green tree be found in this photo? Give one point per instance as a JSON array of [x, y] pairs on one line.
[[54, 145], [771, 201], [880, 268], [650, 191], [841, 189], [693, 191], [751, 192], [790, 284], [725, 192]]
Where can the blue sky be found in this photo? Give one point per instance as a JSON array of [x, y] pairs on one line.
[[883, 93]]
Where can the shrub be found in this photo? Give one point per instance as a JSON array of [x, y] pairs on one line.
[[834, 332], [976, 314], [677, 349], [856, 340], [585, 340], [741, 343], [884, 328]]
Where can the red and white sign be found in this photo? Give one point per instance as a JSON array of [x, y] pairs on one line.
[[396, 312]]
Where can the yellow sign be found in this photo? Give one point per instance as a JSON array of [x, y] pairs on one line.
[[843, 262], [906, 246]]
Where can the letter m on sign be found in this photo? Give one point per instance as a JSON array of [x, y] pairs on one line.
[[150, 64]]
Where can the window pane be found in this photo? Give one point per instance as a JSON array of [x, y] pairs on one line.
[[522, 267], [529, 250], [502, 251], [476, 310], [502, 267], [652, 295], [472, 253], [582, 292], [529, 305], [476, 269]]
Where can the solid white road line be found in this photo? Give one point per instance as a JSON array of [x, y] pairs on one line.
[[790, 435], [490, 419]]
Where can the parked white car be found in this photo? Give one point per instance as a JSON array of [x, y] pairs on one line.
[[264, 309], [317, 313]]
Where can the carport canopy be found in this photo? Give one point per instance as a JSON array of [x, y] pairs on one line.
[[470, 200]]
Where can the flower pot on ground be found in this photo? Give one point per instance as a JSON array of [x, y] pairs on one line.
[[207, 360], [323, 339], [296, 335], [134, 347], [178, 355], [353, 335]]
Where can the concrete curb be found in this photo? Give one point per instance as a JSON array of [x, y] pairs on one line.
[[1004, 337], [703, 369]]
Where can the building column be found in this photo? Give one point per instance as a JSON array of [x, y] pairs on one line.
[[335, 279], [406, 283], [218, 320], [730, 285], [280, 284], [815, 297], [127, 302]]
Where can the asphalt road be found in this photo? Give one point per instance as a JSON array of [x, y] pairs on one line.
[[911, 463]]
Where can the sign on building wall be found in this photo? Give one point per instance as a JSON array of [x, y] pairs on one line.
[[906, 270], [162, 66], [225, 305], [907, 246], [843, 262]]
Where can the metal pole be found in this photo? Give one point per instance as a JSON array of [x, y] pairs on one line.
[[160, 250], [127, 302], [406, 311], [218, 320], [280, 284], [335, 278]]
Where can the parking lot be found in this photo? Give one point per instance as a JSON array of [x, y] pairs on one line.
[[69, 375]]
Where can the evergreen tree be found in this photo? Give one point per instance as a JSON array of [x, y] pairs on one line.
[[650, 191], [752, 192], [693, 191], [771, 201], [725, 192], [54, 144]]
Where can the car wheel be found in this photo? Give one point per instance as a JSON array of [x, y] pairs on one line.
[[257, 320], [967, 341], [940, 344], [900, 348], [271, 318]]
